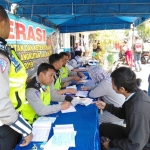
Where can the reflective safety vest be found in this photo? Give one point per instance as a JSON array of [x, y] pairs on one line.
[[17, 82], [57, 85], [28, 112], [64, 72]]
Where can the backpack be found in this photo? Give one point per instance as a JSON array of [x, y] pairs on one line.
[[138, 47]]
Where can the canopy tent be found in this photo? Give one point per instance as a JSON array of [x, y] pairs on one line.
[[83, 15]]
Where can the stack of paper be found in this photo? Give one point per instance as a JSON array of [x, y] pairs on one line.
[[82, 93], [82, 81], [84, 78], [81, 101], [85, 101], [73, 87], [41, 128], [63, 138]]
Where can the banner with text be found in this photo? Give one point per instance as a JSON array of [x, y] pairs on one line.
[[33, 42]]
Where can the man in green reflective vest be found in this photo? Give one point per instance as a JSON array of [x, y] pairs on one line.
[[64, 72], [13, 127], [17, 81], [56, 61], [39, 96]]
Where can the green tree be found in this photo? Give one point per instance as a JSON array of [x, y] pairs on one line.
[[126, 32], [94, 36], [144, 30]]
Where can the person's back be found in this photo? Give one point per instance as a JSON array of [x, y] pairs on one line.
[[138, 46], [103, 90]]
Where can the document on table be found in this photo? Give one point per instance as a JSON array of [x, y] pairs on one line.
[[84, 77], [44, 121], [41, 128], [85, 101], [63, 138], [75, 101], [62, 128], [40, 134], [73, 87], [82, 93], [70, 109], [48, 146], [82, 68], [82, 81]]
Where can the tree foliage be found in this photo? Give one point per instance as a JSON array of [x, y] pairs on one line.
[[144, 30]]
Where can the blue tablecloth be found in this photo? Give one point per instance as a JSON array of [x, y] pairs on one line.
[[86, 123]]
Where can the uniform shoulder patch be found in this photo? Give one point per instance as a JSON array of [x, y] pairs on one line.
[[37, 93], [3, 65]]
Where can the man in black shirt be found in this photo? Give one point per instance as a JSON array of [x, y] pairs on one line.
[[135, 110]]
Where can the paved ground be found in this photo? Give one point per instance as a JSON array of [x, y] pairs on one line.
[[144, 76]]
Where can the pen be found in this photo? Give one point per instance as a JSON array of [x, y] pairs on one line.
[[101, 111]]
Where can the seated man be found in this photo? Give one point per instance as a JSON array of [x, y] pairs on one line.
[[39, 97], [135, 110], [71, 68], [56, 61], [64, 72], [102, 88]]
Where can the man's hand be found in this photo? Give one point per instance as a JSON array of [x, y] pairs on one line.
[[65, 84], [26, 140], [76, 78], [106, 144], [65, 105], [100, 104], [84, 88], [81, 74], [72, 91]]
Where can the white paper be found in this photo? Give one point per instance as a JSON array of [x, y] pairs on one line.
[[44, 122], [82, 68], [48, 146], [63, 128], [84, 78], [40, 134], [62, 139], [73, 87], [70, 109], [82, 81], [82, 93], [85, 101], [75, 101]]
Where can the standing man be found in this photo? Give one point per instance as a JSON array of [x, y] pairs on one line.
[[137, 48], [78, 49], [135, 110], [12, 124]]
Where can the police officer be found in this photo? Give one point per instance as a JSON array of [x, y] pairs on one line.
[[17, 82], [12, 125], [38, 94]]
